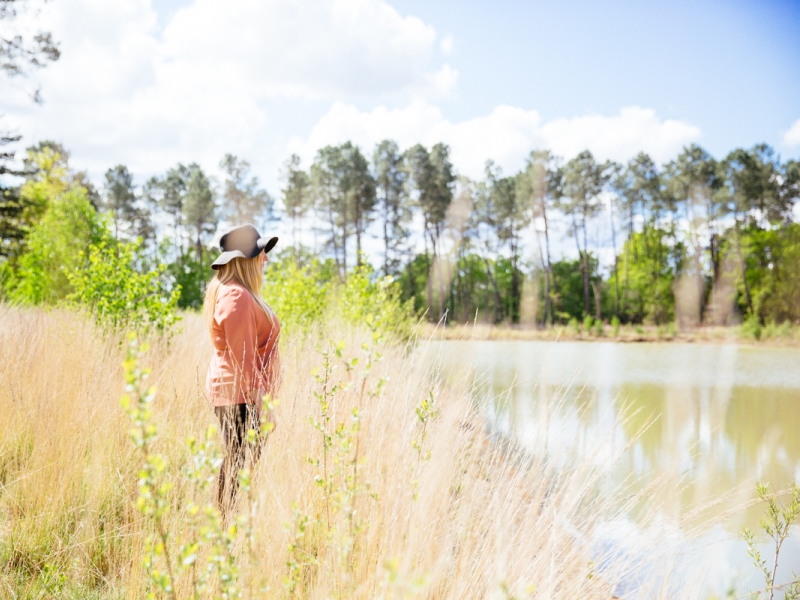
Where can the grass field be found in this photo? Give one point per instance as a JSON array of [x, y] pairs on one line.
[[411, 498]]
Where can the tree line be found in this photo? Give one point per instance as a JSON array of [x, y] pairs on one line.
[[697, 239], [701, 239]]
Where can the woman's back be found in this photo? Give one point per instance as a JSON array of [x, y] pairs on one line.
[[245, 339]]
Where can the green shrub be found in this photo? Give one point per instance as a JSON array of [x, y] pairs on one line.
[[117, 294], [375, 301], [575, 326], [305, 294], [598, 328], [54, 246], [298, 294], [751, 328], [191, 272], [774, 331], [615, 326], [587, 323], [776, 523]]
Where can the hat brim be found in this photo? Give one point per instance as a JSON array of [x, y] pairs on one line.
[[264, 244]]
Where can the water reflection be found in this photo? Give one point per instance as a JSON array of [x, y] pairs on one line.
[[716, 417]]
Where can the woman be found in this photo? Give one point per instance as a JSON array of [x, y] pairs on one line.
[[245, 365]]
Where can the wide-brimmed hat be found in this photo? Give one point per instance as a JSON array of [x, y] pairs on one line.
[[243, 241]]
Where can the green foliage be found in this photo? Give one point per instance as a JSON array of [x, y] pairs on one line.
[[117, 294], [569, 283], [414, 282], [54, 247], [298, 294], [190, 273], [773, 330], [472, 289], [18, 211], [302, 295], [375, 301], [344, 192], [743, 203], [575, 326], [646, 271], [751, 328], [773, 272], [598, 328], [776, 522], [615, 324], [587, 323]]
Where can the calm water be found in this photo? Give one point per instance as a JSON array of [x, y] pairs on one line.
[[721, 418]]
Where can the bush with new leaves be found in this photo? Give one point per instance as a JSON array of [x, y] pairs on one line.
[[118, 295], [367, 299], [304, 294], [297, 293]]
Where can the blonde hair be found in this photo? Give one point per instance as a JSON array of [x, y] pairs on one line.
[[247, 273]]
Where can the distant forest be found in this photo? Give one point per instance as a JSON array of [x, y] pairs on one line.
[[700, 240]]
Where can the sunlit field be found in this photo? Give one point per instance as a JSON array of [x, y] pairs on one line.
[[413, 498]]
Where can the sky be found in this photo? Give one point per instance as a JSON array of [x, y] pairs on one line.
[[150, 83]]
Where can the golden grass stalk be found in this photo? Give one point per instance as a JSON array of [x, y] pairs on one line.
[[418, 499]]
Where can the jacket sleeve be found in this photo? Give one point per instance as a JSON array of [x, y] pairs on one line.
[[236, 317]]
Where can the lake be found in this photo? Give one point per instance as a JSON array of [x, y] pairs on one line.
[[717, 417]]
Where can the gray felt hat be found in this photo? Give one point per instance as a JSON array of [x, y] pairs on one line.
[[243, 241]]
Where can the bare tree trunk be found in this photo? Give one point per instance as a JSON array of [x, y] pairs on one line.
[[629, 241], [742, 265], [545, 269], [587, 302], [357, 221], [294, 236], [616, 261], [437, 261], [428, 281], [497, 314], [515, 287], [549, 270], [335, 242], [386, 235], [358, 246], [598, 313]]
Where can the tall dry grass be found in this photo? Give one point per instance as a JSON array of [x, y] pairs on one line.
[[440, 509]]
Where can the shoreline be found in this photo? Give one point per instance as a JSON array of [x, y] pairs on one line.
[[626, 334]]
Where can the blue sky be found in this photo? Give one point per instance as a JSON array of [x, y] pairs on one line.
[[148, 83], [732, 68]]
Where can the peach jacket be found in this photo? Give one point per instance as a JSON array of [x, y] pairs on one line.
[[245, 364]]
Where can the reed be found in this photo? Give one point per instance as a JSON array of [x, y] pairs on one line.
[[380, 480]]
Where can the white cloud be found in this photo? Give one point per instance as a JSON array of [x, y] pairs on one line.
[[315, 48], [506, 135], [127, 90], [218, 77], [792, 136], [620, 136], [447, 44], [442, 82]]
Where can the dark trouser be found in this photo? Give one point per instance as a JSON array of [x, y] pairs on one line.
[[235, 421]]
